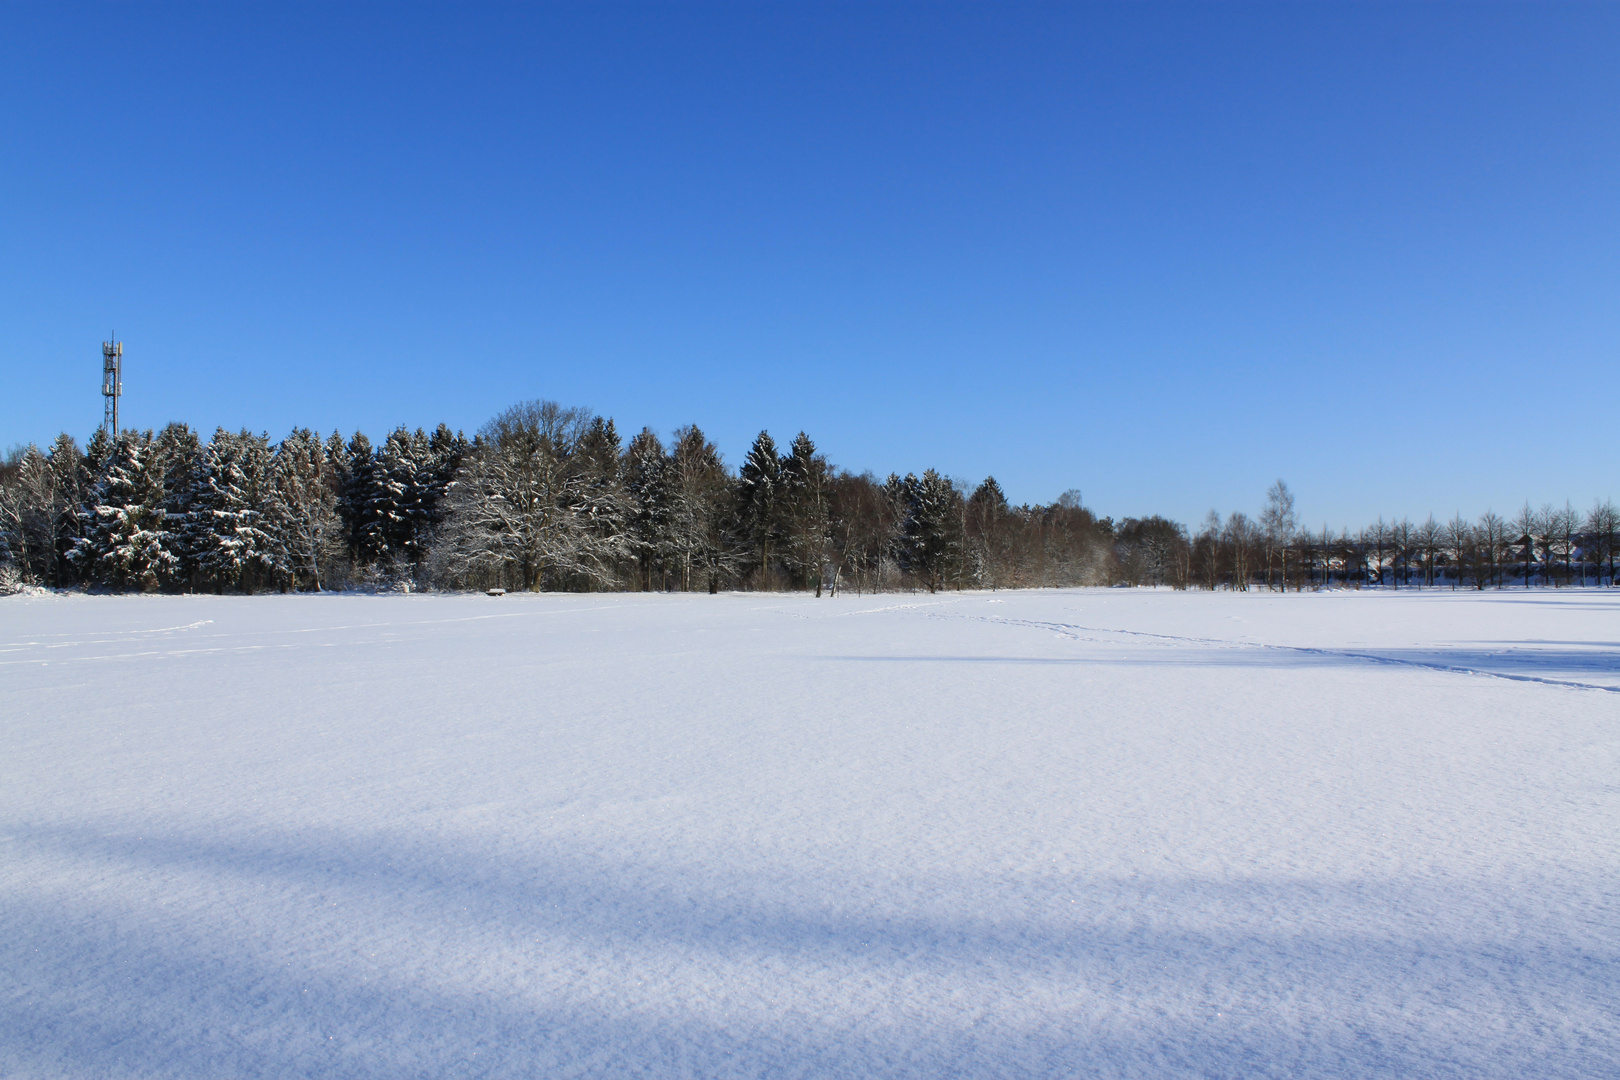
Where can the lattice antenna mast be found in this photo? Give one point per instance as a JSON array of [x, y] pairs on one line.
[[112, 381]]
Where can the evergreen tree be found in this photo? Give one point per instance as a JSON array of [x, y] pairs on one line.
[[67, 488], [337, 460], [270, 568], [1151, 551], [699, 490], [308, 489], [77, 474], [446, 452], [931, 537], [596, 456], [804, 518], [238, 521], [989, 499], [192, 495], [759, 484], [597, 498], [177, 458], [123, 544], [399, 507], [646, 486], [987, 517], [358, 502], [97, 451]]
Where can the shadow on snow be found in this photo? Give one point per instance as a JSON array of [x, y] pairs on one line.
[[1135, 976]]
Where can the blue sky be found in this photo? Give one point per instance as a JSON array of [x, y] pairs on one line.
[[1162, 254]]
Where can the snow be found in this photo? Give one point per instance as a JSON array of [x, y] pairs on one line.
[[1107, 833]]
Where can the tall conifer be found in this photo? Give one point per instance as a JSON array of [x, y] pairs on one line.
[[759, 484]]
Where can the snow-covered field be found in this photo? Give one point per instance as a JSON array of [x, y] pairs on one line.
[[1056, 834]]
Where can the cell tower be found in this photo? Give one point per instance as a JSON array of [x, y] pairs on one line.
[[112, 381]]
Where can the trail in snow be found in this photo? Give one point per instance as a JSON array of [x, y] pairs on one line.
[[1609, 662]]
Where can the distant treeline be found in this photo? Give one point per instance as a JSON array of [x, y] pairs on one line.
[[1549, 547], [547, 497]]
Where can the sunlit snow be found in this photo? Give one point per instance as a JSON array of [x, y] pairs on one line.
[[1054, 834]]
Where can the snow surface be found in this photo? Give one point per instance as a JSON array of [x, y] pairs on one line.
[[1053, 834]]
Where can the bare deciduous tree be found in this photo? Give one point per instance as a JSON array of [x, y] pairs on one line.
[[1241, 536], [1277, 524], [1602, 524], [1429, 541], [514, 506]]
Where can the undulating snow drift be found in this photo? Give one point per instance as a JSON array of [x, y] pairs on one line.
[[1052, 834]]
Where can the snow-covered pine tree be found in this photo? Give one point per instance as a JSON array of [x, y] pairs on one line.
[[237, 529], [123, 544], [596, 455], [699, 497], [79, 554], [77, 472], [446, 451], [990, 500], [759, 484], [97, 450], [308, 490], [177, 454], [67, 488], [357, 502], [270, 567], [337, 460], [175, 451], [194, 494], [646, 484], [902, 492], [398, 513], [803, 513], [211, 542], [599, 501], [931, 537], [987, 519]]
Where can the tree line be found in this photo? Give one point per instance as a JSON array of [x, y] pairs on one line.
[[1549, 547], [545, 497]]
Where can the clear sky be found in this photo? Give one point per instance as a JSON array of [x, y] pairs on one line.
[[1161, 254]]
